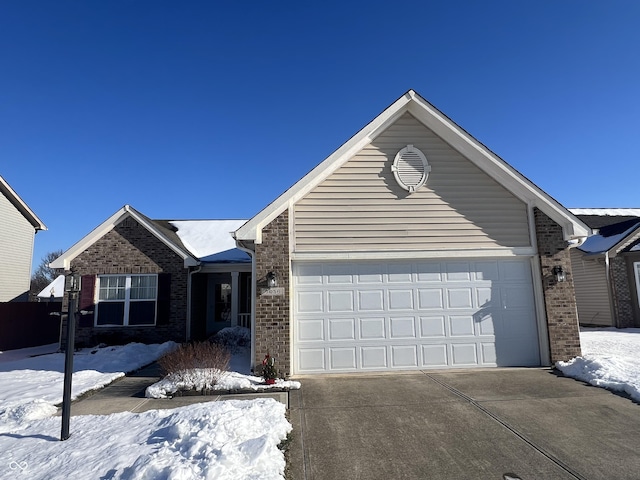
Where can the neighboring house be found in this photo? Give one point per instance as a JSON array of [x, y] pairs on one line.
[[606, 268], [412, 246], [54, 292], [18, 226], [138, 277]]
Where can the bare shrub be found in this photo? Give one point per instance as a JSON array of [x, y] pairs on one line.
[[197, 365]]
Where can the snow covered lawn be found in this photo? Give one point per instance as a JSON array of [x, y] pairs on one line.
[[610, 359], [231, 439], [31, 386]]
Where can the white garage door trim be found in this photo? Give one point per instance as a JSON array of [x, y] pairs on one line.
[[400, 315]]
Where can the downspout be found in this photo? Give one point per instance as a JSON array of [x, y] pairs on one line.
[[189, 280], [252, 254], [610, 288]]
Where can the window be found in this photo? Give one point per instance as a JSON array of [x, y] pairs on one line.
[[126, 300]]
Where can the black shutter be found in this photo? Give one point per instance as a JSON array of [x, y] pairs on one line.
[[164, 298], [87, 291]]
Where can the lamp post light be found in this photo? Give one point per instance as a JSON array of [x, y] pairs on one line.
[[73, 287]]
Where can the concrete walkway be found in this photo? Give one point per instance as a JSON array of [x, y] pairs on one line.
[[482, 424], [127, 395]]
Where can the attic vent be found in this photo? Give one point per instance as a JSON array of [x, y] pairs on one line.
[[410, 168]]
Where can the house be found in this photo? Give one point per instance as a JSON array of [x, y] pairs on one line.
[[138, 277], [17, 235], [54, 292], [606, 268], [412, 246]]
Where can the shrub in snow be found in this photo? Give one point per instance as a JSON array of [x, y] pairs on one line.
[[269, 371], [233, 337], [198, 365]]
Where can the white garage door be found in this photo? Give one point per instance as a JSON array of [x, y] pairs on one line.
[[365, 316]]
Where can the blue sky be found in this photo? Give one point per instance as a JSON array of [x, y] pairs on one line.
[[193, 110]]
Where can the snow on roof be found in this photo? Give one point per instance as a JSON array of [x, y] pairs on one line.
[[609, 237], [211, 240], [55, 288], [625, 212]]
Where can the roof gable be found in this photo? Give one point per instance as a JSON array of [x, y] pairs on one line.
[[20, 205], [451, 133], [161, 233]]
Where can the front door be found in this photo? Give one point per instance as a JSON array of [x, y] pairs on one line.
[[218, 302]]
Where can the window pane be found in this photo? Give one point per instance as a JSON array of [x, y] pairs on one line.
[[142, 313], [111, 313], [143, 287], [112, 288]]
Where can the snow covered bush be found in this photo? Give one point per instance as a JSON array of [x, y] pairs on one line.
[[233, 338], [200, 364]]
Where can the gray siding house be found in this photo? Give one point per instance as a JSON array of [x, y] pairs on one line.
[[18, 227], [606, 268]]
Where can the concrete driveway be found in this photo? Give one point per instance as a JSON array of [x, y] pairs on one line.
[[478, 424]]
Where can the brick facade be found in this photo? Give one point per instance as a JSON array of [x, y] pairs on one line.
[[622, 298], [131, 249], [272, 326], [559, 298]]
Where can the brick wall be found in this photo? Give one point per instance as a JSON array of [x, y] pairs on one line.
[[272, 312], [131, 249], [622, 302], [559, 298]]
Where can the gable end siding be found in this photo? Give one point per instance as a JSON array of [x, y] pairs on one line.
[[360, 207], [16, 252]]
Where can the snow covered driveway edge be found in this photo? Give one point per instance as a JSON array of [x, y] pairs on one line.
[[609, 360]]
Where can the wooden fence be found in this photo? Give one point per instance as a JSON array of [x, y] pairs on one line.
[[28, 324]]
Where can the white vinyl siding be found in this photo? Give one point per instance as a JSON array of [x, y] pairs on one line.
[[360, 207], [16, 251], [592, 292]]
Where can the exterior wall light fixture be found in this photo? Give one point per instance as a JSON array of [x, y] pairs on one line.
[[560, 274], [272, 280]]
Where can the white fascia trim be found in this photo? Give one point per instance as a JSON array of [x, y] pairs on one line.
[[252, 230], [494, 166], [417, 255], [64, 261], [22, 207]]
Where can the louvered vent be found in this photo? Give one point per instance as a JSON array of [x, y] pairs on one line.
[[410, 168]]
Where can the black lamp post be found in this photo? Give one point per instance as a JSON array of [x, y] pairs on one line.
[[73, 287]]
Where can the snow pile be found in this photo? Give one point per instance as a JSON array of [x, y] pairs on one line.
[[169, 385], [213, 440], [31, 386], [609, 360]]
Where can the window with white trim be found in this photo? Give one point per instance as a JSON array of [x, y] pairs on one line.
[[126, 300]]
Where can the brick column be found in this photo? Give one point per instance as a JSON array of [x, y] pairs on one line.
[[559, 298], [272, 326], [622, 302]]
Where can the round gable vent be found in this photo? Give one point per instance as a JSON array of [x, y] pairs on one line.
[[410, 168]]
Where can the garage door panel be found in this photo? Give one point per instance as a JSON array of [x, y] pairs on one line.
[[430, 298], [374, 358], [340, 301], [433, 326], [404, 356], [342, 329], [377, 316], [372, 328], [401, 299], [371, 300], [402, 327], [435, 356]]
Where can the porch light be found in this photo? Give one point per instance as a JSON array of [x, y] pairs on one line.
[[561, 276], [272, 280]]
